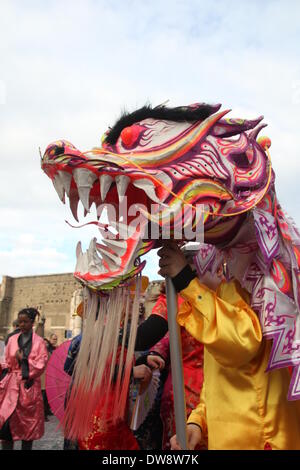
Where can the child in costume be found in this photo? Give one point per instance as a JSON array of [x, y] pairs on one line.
[[192, 358]]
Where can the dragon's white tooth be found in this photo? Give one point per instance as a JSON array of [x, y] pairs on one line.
[[65, 179], [78, 264], [92, 245], [166, 182], [95, 262], [84, 180], [91, 252], [105, 184], [111, 264], [119, 246], [78, 249], [82, 263], [118, 243], [89, 262], [90, 259], [84, 195], [148, 187], [97, 258], [114, 258], [122, 184], [74, 205], [85, 263], [96, 270], [84, 177], [59, 187]]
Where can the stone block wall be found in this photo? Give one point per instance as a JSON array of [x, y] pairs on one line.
[[50, 294]]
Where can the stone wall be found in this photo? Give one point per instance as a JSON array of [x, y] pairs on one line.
[[50, 294], [5, 300]]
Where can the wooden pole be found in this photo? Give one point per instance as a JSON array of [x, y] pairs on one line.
[[176, 365]]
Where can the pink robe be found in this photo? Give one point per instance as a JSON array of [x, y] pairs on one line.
[[24, 407]]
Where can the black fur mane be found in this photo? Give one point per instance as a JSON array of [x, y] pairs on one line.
[[179, 114]]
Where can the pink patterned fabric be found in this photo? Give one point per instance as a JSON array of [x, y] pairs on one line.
[[264, 257], [23, 407]]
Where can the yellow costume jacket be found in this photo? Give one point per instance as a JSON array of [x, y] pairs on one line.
[[241, 406]]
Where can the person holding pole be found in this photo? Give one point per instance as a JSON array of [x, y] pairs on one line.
[[241, 406], [192, 360]]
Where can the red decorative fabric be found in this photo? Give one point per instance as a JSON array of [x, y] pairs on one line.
[[106, 433], [160, 308], [267, 446], [192, 358], [108, 436]]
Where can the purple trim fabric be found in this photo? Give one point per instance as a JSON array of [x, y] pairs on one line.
[[263, 258]]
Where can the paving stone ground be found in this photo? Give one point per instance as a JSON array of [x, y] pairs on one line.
[[51, 440]]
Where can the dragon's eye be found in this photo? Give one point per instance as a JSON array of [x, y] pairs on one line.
[[129, 135], [59, 150], [56, 150]]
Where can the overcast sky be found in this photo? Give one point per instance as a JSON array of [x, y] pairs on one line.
[[67, 69]]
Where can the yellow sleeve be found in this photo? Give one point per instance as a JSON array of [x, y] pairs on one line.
[[222, 321], [198, 415]]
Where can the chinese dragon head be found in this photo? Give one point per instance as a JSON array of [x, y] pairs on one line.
[[164, 163]]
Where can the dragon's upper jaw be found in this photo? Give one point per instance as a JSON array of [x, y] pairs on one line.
[[128, 196], [133, 198], [201, 165]]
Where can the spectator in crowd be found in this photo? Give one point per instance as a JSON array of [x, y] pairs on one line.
[[16, 330], [50, 345], [21, 402]]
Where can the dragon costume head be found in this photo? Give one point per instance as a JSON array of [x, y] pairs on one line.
[[155, 168]]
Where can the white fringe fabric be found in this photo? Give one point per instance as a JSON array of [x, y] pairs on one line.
[[104, 363]]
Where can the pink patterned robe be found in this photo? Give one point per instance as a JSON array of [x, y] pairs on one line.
[[23, 407]]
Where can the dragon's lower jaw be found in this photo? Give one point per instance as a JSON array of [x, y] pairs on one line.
[[113, 263]]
